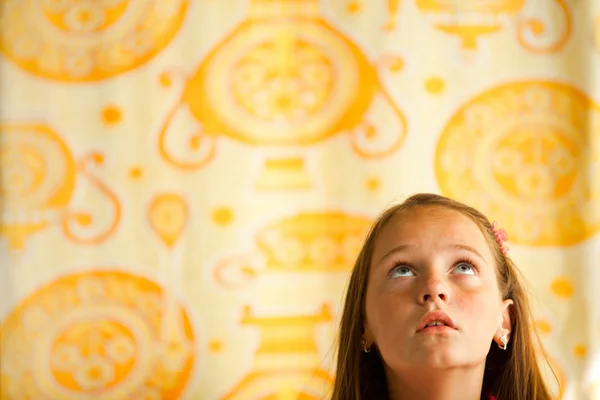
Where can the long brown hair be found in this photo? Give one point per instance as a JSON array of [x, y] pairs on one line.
[[514, 374]]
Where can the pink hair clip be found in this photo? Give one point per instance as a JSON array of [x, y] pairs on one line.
[[501, 237]]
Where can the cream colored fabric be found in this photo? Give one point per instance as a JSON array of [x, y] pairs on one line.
[[186, 183]]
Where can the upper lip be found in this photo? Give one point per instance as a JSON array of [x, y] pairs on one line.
[[435, 316]]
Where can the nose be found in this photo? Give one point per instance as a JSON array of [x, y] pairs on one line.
[[433, 290]]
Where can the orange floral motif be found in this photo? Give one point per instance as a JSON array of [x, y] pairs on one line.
[[95, 333], [283, 77], [86, 40], [524, 154], [40, 175]]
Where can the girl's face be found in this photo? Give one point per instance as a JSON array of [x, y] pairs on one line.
[[433, 265]]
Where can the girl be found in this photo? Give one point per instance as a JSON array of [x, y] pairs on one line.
[[435, 309]]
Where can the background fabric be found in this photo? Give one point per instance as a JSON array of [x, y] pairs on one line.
[[185, 184]]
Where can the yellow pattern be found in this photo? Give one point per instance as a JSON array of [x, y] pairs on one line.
[[562, 287], [111, 115], [373, 184], [222, 216], [445, 15], [518, 152], [531, 29], [168, 214], [215, 346], [94, 333], [86, 40], [284, 173], [543, 327], [319, 240], [580, 350], [286, 360], [39, 175], [435, 85], [472, 20], [281, 66], [136, 172], [356, 6], [310, 241], [238, 151]]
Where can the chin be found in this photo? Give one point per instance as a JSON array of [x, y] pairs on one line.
[[440, 358]]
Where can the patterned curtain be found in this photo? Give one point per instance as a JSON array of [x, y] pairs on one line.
[[185, 184]]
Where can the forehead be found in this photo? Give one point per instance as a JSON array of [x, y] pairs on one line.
[[430, 226]]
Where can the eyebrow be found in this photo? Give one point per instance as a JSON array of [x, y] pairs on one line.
[[403, 247], [467, 248]]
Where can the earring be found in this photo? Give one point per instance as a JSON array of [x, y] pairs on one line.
[[504, 340], [365, 348]]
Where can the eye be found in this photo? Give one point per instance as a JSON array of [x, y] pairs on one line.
[[402, 270], [464, 268]]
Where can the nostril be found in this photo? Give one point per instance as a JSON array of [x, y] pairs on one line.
[[428, 297]]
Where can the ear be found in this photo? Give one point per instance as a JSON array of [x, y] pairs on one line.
[[367, 337], [505, 327]]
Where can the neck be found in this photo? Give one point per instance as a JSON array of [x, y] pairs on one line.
[[437, 384]]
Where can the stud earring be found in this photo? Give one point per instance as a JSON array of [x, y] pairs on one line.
[[504, 340], [365, 348]]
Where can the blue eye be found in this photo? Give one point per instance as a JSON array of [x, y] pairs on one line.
[[401, 271], [464, 268]]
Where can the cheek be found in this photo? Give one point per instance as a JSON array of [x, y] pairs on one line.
[[475, 294], [386, 314], [470, 302], [479, 310]]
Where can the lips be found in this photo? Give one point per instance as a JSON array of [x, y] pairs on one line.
[[435, 318]]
